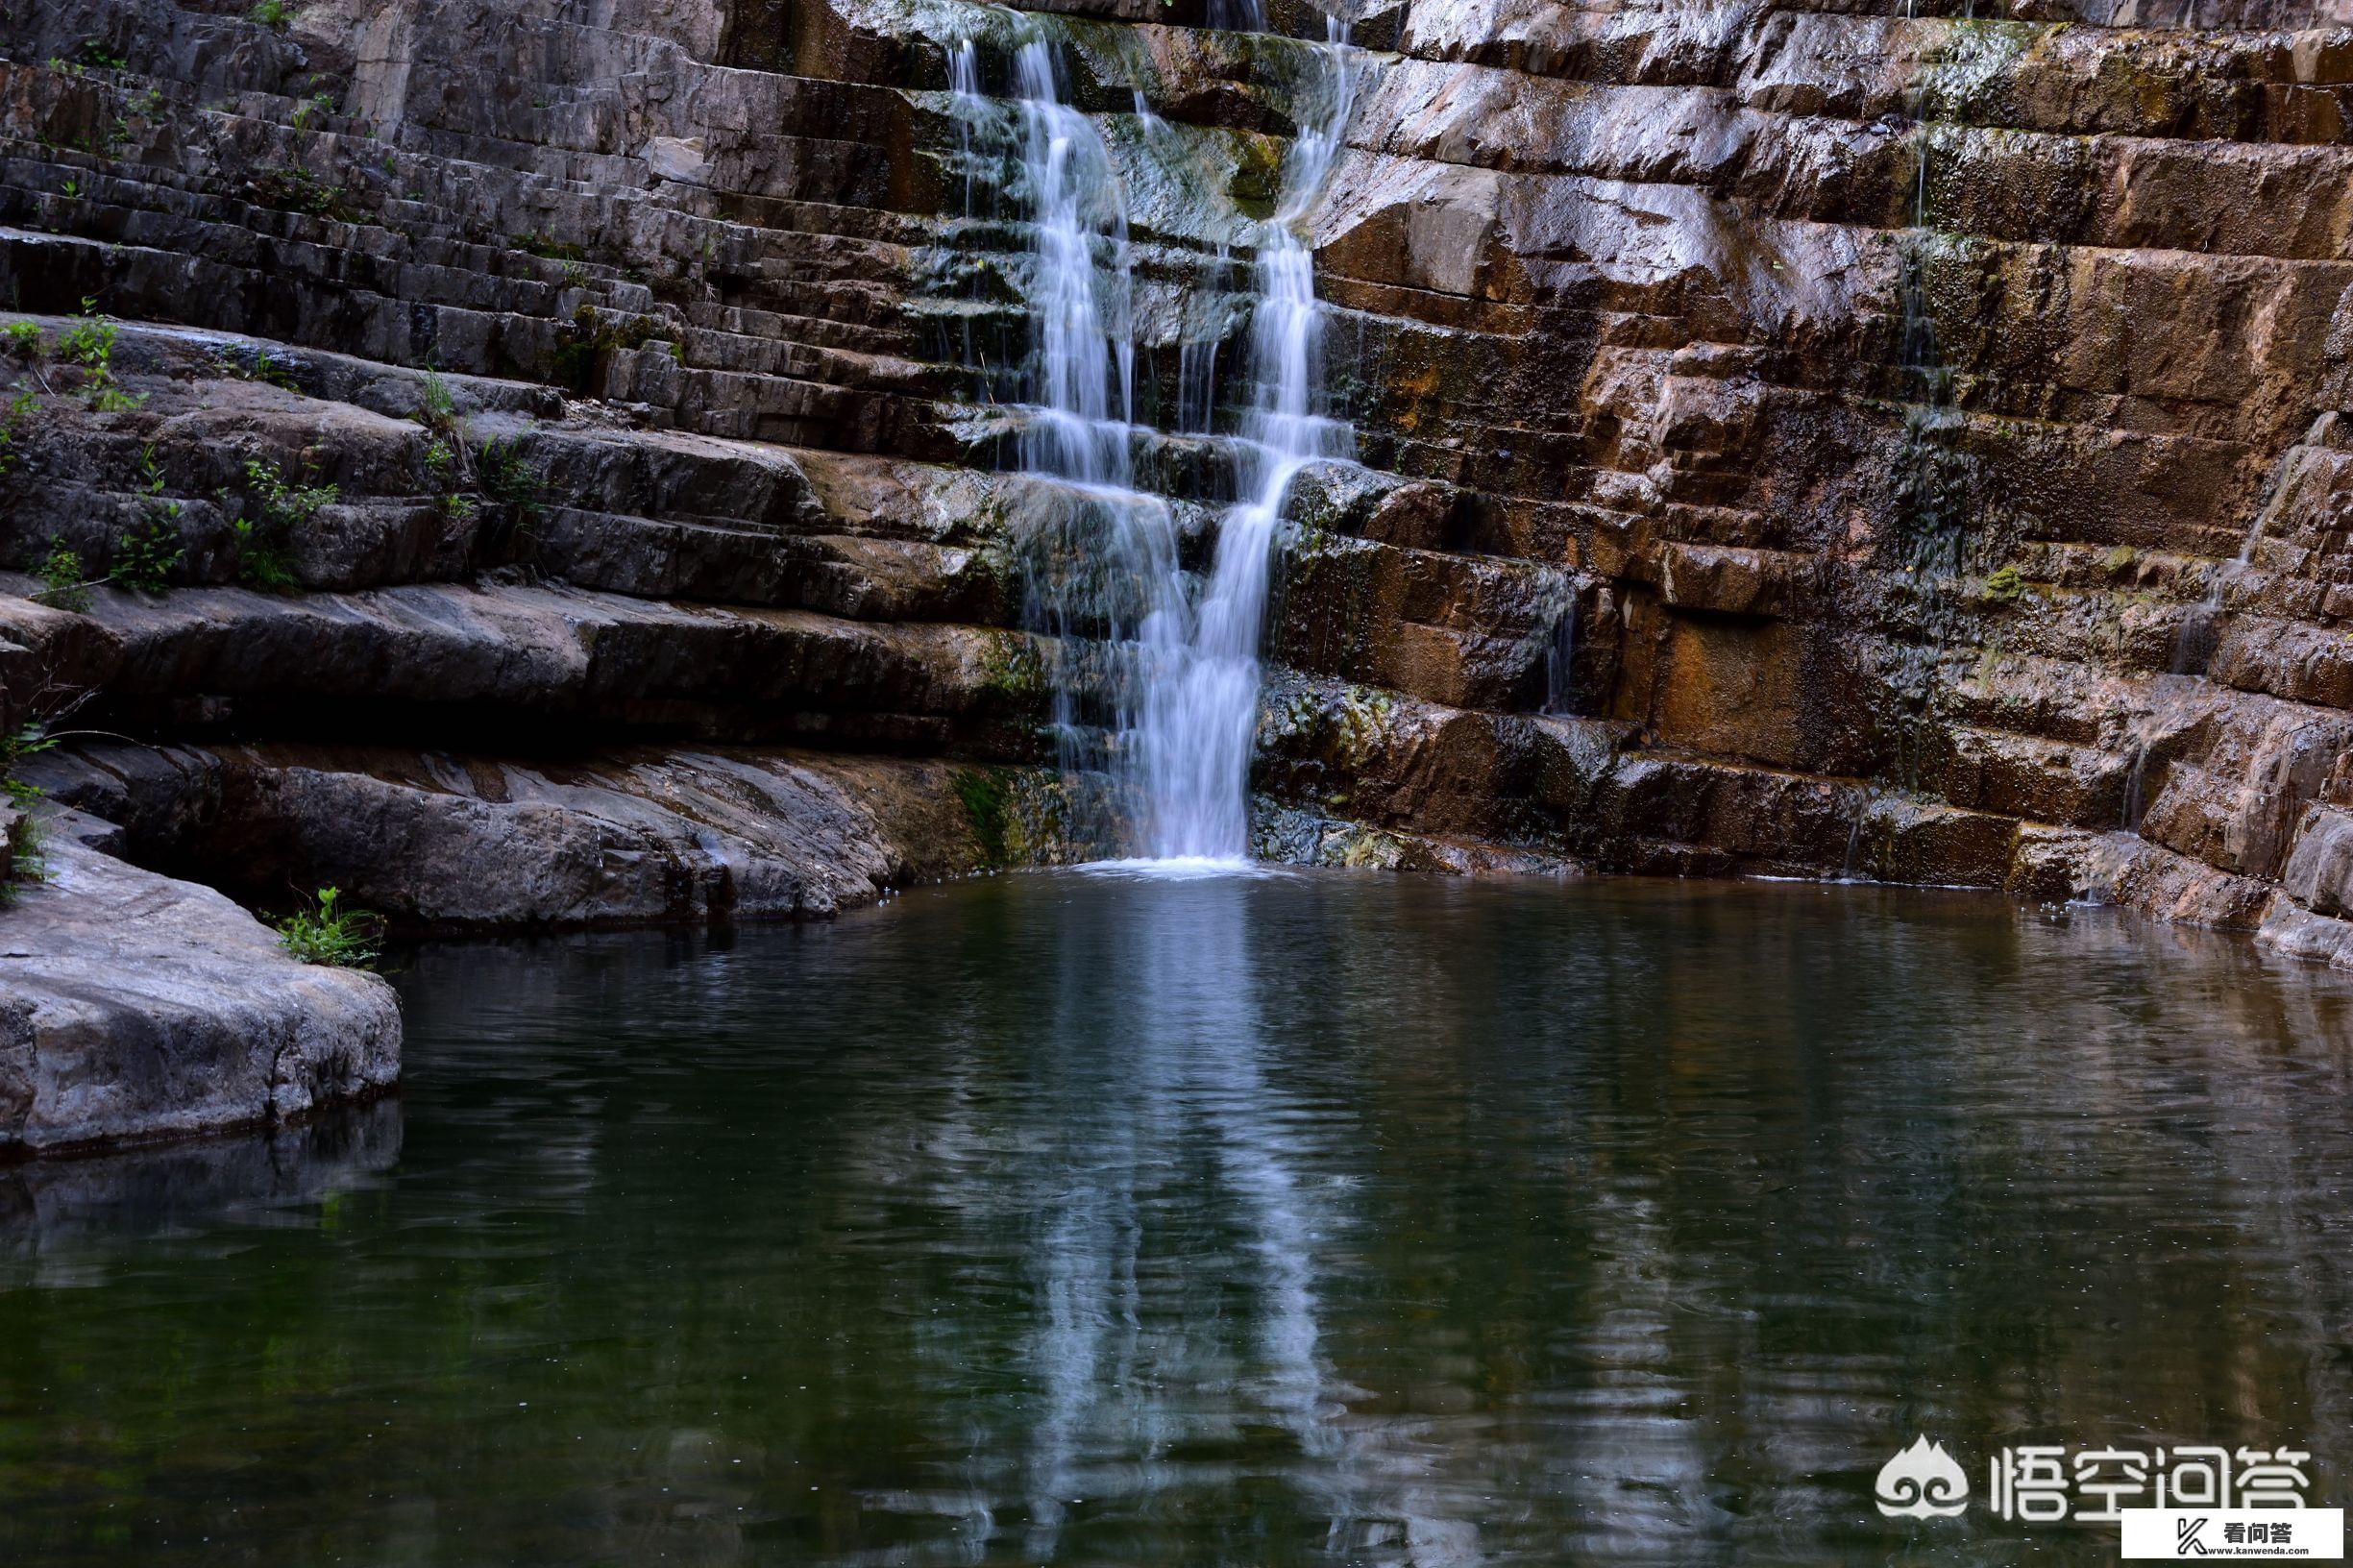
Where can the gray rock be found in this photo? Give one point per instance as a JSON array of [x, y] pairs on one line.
[[133, 1006]]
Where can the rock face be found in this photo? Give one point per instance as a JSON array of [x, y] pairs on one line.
[[135, 1006], [1801, 437]]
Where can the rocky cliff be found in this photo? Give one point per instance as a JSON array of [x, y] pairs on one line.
[[1797, 438]]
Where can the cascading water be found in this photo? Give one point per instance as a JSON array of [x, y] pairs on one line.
[[1180, 680], [1201, 707]]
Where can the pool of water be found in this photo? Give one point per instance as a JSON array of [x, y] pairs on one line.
[[1287, 1219]]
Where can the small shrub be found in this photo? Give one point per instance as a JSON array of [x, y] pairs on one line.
[[285, 505], [275, 13], [329, 933], [64, 586], [99, 57], [144, 556], [23, 340]]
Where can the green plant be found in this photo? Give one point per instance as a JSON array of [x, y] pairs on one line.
[[293, 188], [144, 556], [264, 544], [436, 409], [89, 343], [99, 57], [72, 189], [25, 863], [318, 106], [20, 407], [258, 364], [541, 243], [2004, 586], [23, 340], [325, 932], [271, 13], [509, 478], [64, 586], [285, 505], [145, 553]]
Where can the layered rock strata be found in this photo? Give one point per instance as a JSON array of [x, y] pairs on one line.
[[1799, 438]]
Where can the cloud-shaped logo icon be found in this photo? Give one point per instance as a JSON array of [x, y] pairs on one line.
[[1922, 1481]]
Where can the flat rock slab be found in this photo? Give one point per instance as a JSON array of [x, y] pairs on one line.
[[135, 1007]]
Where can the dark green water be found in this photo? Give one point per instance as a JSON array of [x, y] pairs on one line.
[[1300, 1220]]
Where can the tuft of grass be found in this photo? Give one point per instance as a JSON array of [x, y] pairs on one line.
[[438, 409], [327, 932]]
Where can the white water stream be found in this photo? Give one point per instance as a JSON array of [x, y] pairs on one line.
[[1183, 741]]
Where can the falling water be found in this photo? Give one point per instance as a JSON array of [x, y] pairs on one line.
[[1183, 682], [1201, 710], [1561, 662]]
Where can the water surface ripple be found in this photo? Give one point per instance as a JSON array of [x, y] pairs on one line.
[[1300, 1219]]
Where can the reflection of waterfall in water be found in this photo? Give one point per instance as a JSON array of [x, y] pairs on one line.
[[1176, 682]]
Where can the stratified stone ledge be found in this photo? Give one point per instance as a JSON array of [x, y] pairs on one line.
[[135, 1007]]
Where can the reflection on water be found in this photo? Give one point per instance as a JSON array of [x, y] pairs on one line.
[[1277, 1220]]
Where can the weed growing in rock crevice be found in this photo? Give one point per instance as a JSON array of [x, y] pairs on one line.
[[328, 932], [89, 345], [265, 539]]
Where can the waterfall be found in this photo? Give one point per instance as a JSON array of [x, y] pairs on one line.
[[1180, 681], [1201, 707]]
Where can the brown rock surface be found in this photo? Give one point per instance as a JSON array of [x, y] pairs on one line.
[[1919, 437]]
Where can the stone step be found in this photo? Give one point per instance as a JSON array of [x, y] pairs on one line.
[[516, 659]]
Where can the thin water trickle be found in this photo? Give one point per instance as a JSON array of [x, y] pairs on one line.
[[1561, 662]]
